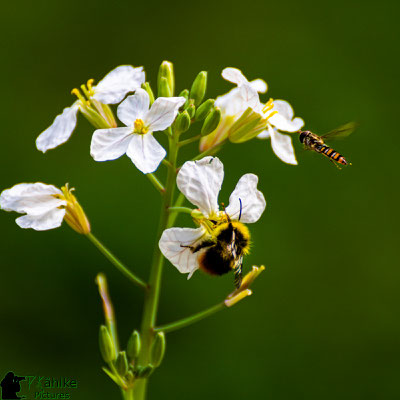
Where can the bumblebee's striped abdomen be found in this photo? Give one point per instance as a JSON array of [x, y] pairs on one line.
[[212, 262], [334, 155]]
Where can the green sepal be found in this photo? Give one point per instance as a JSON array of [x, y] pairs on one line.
[[166, 71], [199, 87], [144, 372], [191, 108], [182, 122], [134, 345], [121, 363], [211, 122], [146, 86], [107, 349], [158, 349], [204, 109]]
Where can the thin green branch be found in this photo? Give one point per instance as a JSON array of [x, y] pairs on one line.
[[156, 183], [211, 151], [182, 323], [190, 140], [185, 210], [118, 264]]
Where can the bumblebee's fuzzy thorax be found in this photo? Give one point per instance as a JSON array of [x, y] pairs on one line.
[[223, 234]]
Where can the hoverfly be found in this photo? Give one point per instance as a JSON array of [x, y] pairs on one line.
[[316, 143]]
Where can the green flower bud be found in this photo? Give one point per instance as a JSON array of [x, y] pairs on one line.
[[122, 363], [158, 349], [199, 87], [163, 88], [134, 344], [184, 93], [211, 122], [204, 109], [146, 86], [248, 126], [106, 344], [144, 372], [182, 122], [166, 71], [191, 108]]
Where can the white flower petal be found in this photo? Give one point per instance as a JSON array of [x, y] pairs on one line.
[[50, 220], [252, 200], [260, 85], [145, 152], [250, 97], [263, 135], [234, 75], [163, 112], [60, 130], [118, 83], [134, 107], [109, 144], [283, 120], [171, 243], [282, 146], [31, 198], [200, 181], [231, 103]]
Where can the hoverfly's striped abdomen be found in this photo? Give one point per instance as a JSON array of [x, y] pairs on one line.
[[334, 155]]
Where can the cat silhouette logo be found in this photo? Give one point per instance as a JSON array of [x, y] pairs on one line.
[[10, 386]]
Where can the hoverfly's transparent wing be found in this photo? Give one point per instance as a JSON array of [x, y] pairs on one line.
[[341, 132]]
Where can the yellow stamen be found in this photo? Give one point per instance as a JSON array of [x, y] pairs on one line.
[[78, 94], [140, 128], [268, 106], [90, 84]]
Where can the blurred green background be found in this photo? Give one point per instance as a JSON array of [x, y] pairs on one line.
[[323, 321]]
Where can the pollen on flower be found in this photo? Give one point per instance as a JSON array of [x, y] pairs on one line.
[[140, 128], [268, 107], [89, 85]]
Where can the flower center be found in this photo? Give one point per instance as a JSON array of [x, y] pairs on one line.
[[140, 127], [267, 108], [86, 94]]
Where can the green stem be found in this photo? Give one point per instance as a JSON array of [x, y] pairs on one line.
[[182, 323], [185, 210], [114, 260], [190, 140], [153, 293], [156, 183]]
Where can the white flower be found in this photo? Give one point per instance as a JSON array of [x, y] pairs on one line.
[[200, 181], [233, 104], [110, 90], [283, 120], [43, 205], [136, 139]]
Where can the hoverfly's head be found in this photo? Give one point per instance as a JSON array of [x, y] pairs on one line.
[[302, 136]]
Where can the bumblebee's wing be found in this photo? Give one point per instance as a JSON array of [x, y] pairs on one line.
[[341, 132]]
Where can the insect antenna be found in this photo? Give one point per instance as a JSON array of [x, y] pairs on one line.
[[240, 212]]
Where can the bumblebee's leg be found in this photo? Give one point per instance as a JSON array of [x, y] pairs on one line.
[[202, 245], [238, 274]]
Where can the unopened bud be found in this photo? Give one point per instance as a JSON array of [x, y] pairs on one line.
[[184, 93], [146, 86], [106, 344], [199, 87], [134, 345], [166, 71], [122, 363], [163, 88], [182, 122], [211, 122], [204, 109], [158, 349]]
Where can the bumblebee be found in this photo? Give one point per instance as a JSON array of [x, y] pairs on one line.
[[224, 249], [316, 143]]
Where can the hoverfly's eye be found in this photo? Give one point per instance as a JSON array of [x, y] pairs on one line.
[[302, 136]]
